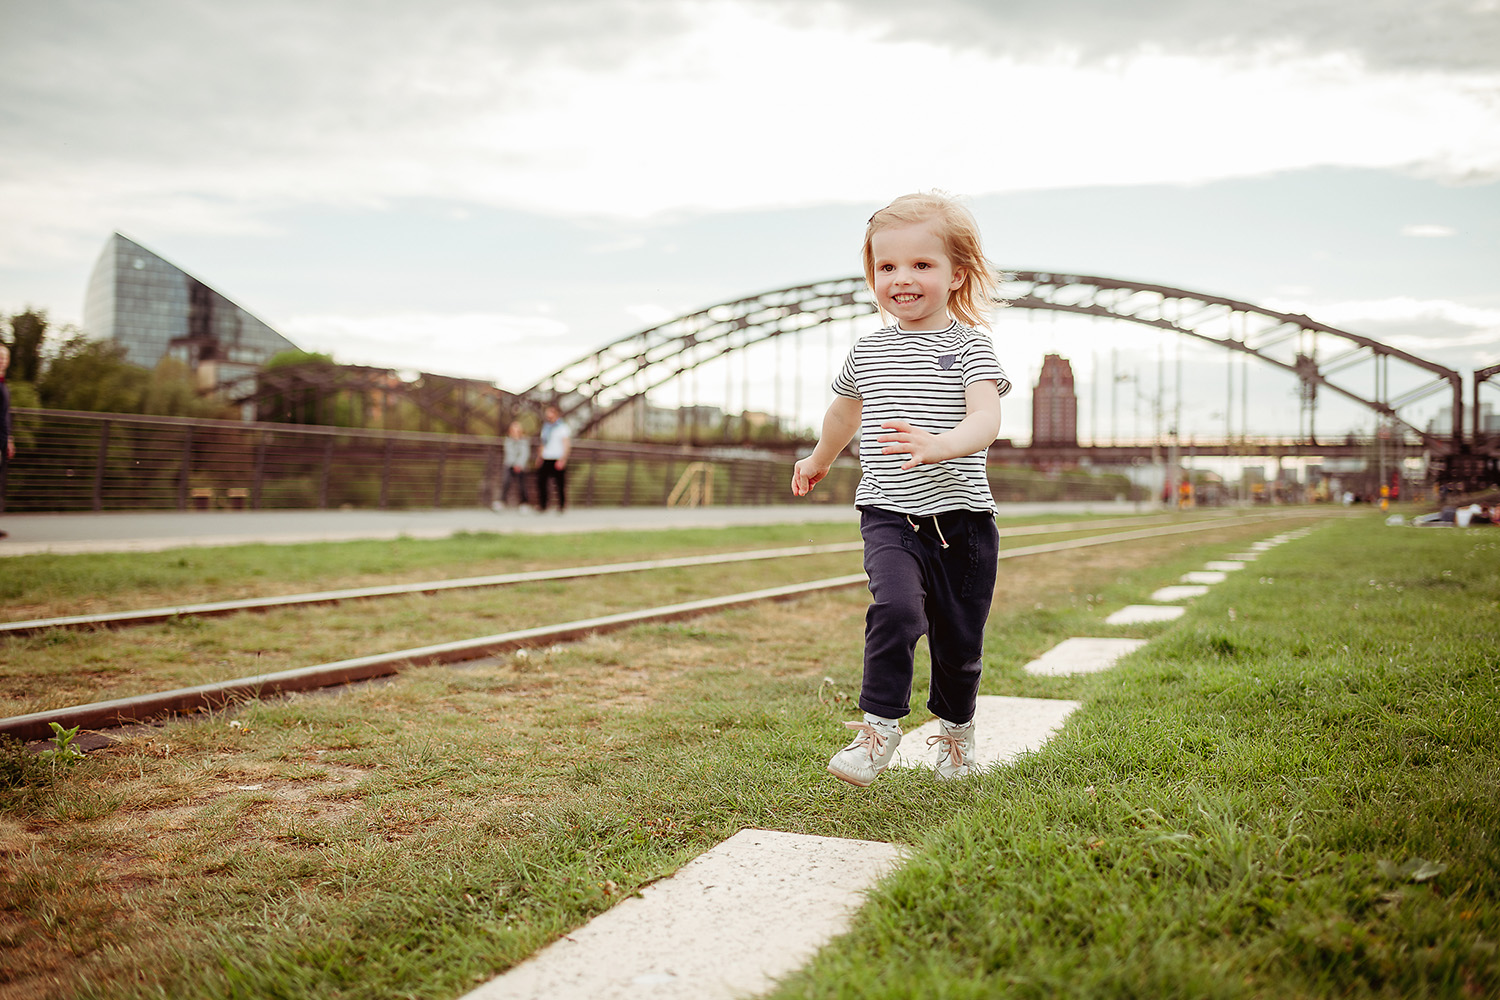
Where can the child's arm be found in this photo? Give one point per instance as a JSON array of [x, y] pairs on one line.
[[977, 430], [839, 426]]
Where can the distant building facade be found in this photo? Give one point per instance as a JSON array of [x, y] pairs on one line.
[[1054, 404], [154, 310]]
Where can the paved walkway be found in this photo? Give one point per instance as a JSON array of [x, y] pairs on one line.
[[150, 531]]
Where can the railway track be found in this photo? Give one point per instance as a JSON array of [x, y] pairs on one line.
[[151, 616], [145, 708]]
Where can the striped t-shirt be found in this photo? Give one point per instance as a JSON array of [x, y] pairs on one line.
[[919, 377]]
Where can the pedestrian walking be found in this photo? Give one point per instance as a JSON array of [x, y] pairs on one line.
[[557, 445], [7, 437], [515, 462]]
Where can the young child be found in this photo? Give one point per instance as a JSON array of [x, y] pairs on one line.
[[924, 395]]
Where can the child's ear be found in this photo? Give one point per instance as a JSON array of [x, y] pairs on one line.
[[959, 277]]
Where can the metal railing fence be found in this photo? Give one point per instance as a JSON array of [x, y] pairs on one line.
[[68, 460], [75, 461]]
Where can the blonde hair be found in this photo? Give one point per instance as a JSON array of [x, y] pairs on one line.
[[971, 301]]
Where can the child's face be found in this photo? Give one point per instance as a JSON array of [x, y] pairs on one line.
[[914, 275]]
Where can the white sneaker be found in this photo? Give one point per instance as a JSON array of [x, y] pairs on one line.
[[955, 750], [861, 762]]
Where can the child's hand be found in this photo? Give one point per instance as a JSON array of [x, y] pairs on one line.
[[921, 445], [805, 475]]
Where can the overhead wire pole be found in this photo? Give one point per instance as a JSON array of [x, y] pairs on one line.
[[1168, 486], [1094, 399], [776, 389], [745, 387], [1382, 392], [1178, 473], [1481, 376], [1244, 410], [797, 386], [728, 422], [1229, 411]]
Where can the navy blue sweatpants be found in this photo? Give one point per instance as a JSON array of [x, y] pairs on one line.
[[921, 588]]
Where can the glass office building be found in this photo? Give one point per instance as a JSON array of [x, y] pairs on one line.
[[154, 309]]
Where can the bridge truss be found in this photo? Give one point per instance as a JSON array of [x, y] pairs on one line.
[[597, 385], [591, 389]]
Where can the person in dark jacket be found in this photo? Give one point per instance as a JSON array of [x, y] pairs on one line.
[[8, 450]]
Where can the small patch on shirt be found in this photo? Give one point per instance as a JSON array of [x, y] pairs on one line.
[[945, 361]]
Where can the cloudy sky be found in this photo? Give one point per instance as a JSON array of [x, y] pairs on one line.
[[492, 189]]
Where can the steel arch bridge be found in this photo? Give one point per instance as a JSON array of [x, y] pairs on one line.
[[593, 387]]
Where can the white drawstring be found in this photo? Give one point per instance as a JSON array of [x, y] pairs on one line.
[[936, 526]]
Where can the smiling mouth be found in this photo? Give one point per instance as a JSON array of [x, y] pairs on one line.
[[905, 299]]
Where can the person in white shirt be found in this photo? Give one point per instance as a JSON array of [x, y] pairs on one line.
[[557, 445]]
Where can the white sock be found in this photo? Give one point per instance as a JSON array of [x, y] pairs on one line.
[[951, 726], [883, 723]]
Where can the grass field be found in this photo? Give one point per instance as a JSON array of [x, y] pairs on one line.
[[1292, 791]]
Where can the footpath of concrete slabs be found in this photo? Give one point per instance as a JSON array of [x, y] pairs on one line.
[[758, 906]]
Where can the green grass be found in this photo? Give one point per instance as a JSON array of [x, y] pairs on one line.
[[59, 668], [37, 586], [1239, 809], [1293, 792]]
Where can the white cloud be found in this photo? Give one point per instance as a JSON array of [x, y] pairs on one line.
[[681, 109], [649, 314], [1428, 230], [623, 244], [639, 107], [513, 351], [701, 124], [1396, 34]]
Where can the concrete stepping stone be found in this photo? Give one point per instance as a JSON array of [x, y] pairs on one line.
[[1223, 565], [1135, 614], [1245, 556], [1263, 546], [1008, 727], [1083, 656], [1166, 595], [728, 924], [1204, 576]]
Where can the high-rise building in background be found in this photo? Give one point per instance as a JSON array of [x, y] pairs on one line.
[[1054, 404], [154, 309]]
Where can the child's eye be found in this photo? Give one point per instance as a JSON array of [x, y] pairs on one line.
[[922, 265]]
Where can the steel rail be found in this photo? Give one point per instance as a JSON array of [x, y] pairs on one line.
[[152, 616], [220, 695]]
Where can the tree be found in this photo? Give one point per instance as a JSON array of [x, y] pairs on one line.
[[287, 359], [27, 330], [93, 375]]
